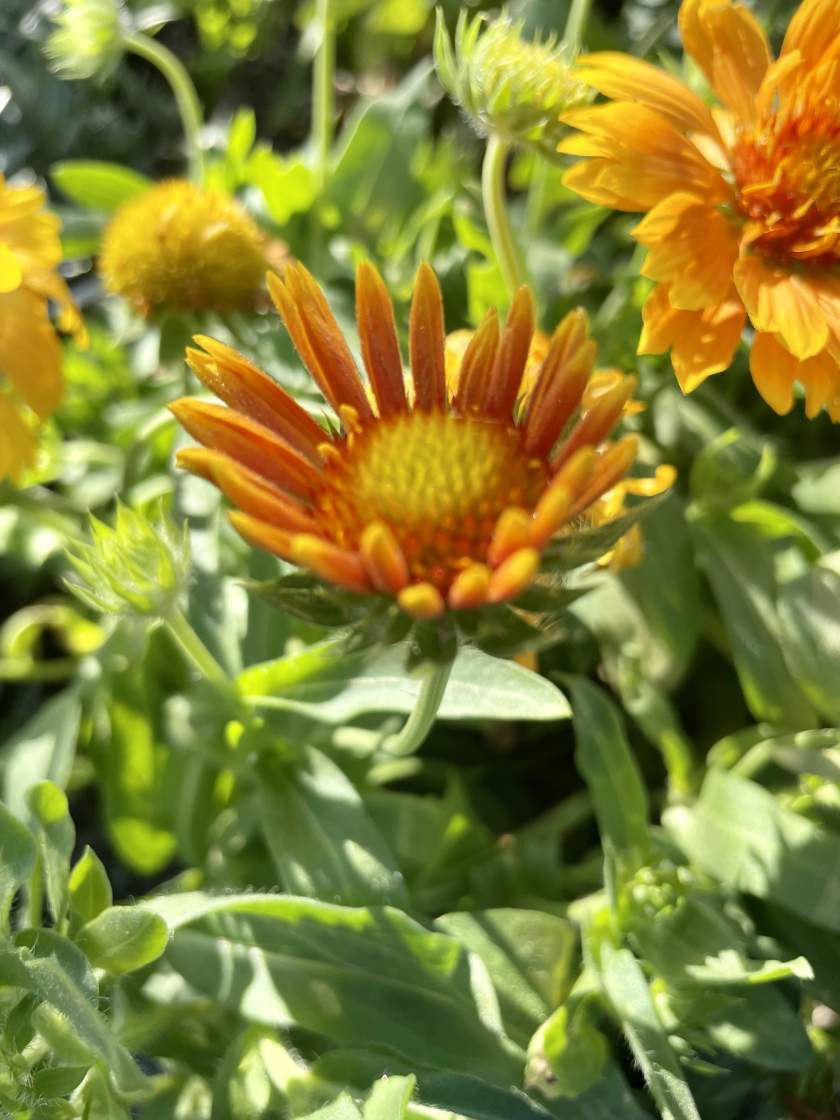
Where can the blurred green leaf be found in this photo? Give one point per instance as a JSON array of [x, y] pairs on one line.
[[740, 834], [17, 858], [809, 616], [42, 749], [346, 973], [320, 836], [89, 886], [96, 184], [56, 837], [122, 939], [603, 758], [332, 684]]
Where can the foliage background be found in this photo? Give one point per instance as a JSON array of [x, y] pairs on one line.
[[591, 916]]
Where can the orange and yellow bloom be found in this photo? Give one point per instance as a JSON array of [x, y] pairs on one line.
[[742, 199], [30, 352], [440, 496], [180, 247]]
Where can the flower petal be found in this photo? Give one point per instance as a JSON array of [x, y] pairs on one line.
[[701, 342], [378, 338], [730, 47], [814, 31], [426, 341], [511, 357], [560, 384], [476, 366], [781, 302]]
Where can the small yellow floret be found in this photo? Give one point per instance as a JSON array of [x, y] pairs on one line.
[[180, 247]]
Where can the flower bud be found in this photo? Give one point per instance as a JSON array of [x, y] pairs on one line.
[[505, 83], [88, 39], [139, 566]]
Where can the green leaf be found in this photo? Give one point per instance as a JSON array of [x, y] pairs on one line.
[[320, 836], [568, 1054], [809, 614], [17, 858], [122, 939], [628, 992], [528, 955], [42, 749], [739, 565], [740, 834], [345, 973], [56, 836], [389, 1099], [49, 980], [332, 684], [762, 1028], [98, 185], [604, 759], [90, 888], [342, 1108]]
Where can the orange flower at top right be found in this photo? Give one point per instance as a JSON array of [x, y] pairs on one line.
[[742, 198]]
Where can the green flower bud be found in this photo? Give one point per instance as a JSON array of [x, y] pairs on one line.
[[88, 39], [139, 566], [505, 83], [655, 893]]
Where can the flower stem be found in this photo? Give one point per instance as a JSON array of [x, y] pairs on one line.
[[576, 25], [182, 87], [323, 92], [419, 723], [196, 651], [495, 210]]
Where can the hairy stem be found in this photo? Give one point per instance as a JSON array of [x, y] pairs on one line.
[[493, 194], [419, 723]]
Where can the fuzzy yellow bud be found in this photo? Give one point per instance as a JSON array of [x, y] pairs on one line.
[[89, 38]]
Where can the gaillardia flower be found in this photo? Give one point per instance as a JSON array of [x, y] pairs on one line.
[[742, 200], [440, 498], [30, 352], [181, 247]]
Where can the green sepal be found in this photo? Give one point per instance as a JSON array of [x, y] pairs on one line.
[[304, 596], [585, 546]]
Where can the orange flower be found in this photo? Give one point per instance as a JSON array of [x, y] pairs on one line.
[[439, 497], [742, 200]]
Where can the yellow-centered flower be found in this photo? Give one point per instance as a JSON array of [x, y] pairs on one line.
[[180, 247], [30, 352], [743, 199], [439, 497]]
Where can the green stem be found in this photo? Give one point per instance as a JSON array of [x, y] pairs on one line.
[[182, 87], [419, 723], [195, 650], [35, 895], [323, 91], [535, 203], [495, 210], [576, 25]]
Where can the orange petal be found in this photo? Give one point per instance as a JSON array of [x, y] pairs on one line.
[[30, 353], [779, 301], [383, 558], [701, 342], [476, 367], [262, 535], [246, 489], [730, 47], [248, 443], [511, 357], [512, 532], [598, 421], [240, 384], [426, 341], [513, 575], [773, 370], [814, 31], [553, 508], [378, 338], [421, 601], [560, 383], [624, 78], [330, 562], [469, 588], [611, 466], [693, 248], [318, 338]]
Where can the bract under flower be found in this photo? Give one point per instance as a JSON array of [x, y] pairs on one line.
[[440, 497]]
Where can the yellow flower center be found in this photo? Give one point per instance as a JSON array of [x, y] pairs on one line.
[[787, 172], [439, 481]]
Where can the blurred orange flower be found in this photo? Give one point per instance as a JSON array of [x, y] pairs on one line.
[[442, 496], [30, 352], [742, 199]]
